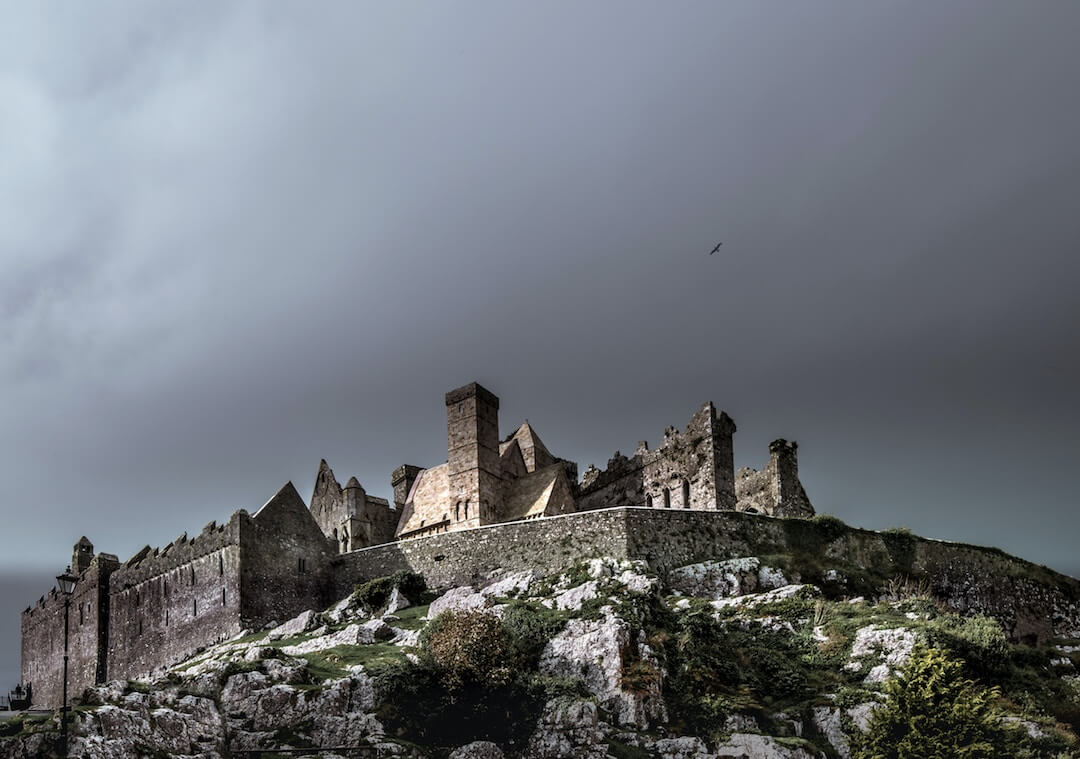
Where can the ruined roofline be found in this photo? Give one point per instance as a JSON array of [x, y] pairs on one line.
[[619, 466]]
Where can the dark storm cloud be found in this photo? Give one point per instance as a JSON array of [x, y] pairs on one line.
[[237, 238]]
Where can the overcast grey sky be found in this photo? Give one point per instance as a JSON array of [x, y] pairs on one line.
[[238, 237]]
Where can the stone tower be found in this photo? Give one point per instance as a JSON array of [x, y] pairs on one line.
[[472, 428], [723, 431], [791, 500], [81, 555]]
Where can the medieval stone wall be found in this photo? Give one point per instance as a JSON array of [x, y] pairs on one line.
[[692, 469], [1031, 601], [43, 637], [166, 603], [471, 556], [285, 562]]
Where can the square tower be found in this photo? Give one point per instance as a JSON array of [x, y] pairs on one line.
[[472, 455]]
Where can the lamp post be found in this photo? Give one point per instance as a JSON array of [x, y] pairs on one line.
[[66, 583]]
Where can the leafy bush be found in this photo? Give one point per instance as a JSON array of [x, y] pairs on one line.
[[468, 648], [978, 640], [475, 679], [932, 711]]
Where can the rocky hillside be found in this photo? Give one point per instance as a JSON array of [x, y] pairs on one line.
[[607, 660]]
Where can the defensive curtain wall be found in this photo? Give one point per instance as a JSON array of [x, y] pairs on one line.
[[1033, 602], [43, 634], [163, 604]]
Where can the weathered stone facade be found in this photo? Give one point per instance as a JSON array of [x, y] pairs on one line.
[[484, 481], [1032, 602], [349, 516], [161, 605], [88, 617], [692, 469], [776, 489]]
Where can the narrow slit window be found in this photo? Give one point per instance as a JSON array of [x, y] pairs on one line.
[[685, 494], [667, 498], [223, 596], [221, 565], [194, 607]]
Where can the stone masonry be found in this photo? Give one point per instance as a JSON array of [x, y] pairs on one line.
[[129, 619]]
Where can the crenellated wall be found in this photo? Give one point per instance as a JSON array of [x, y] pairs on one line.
[[168, 602], [43, 635]]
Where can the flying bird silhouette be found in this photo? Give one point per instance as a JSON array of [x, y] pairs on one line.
[[716, 248]]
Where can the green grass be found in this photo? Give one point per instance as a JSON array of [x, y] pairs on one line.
[[333, 663], [409, 619]]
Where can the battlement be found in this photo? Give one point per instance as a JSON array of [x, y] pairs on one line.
[[149, 562], [162, 604]]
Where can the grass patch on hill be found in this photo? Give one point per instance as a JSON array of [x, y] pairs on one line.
[[333, 663]]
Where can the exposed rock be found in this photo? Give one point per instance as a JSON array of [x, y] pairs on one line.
[[513, 584], [477, 750], [595, 650], [778, 594], [353, 635], [379, 629], [681, 748], [396, 602], [893, 646], [573, 598], [827, 721], [568, 728], [744, 745], [301, 623], [723, 579], [458, 599]]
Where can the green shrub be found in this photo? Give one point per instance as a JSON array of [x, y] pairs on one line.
[[474, 680], [978, 640], [932, 711]]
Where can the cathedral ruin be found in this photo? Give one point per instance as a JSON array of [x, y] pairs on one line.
[[128, 619]]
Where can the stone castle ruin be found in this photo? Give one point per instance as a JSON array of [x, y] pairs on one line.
[[128, 619]]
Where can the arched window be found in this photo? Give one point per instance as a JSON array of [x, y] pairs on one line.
[[667, 498], [466, 509], [457, 511], [648, 501], [685, 494]]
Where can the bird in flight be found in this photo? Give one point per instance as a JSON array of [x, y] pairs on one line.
[[716, 248]]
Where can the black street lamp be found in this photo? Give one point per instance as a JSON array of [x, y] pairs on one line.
[[66, 583]]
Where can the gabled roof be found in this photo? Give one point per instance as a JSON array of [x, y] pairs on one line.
[[545, 491], [536, 454], [427, 502], [286, 499]]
